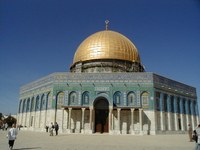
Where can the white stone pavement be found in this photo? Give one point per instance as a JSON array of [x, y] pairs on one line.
[[28, 140]]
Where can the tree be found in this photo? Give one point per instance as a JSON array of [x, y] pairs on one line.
[[10, 120], [1, 115]]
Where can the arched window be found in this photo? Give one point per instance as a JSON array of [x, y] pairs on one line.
[[178, 105], [28, 105], [72, 98], [60, 100], [145, 98], [172, 103], [184, 106], [37, 105], [117, 98], [32, 104], [131, 98], [43, 102], [194, 108], [24, 106], [85, 98], [49, 99], [189, 107], [157, 101], [165, 102], [20, 106]]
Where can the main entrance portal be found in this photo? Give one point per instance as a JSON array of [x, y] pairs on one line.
[[101, 115]]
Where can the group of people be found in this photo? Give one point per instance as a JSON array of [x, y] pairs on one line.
[[4, 126], [53, 127], [194, 135], [12, 133]]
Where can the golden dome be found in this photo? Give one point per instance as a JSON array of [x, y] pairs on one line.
[[106, 44]]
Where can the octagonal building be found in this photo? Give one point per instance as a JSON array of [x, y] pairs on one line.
[[108, 91]]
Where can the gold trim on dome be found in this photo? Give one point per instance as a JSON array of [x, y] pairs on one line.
[[107, 44]]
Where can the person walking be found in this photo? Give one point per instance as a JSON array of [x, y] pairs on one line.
[[190, 132], [6, 126], [197, 132], [47, 128], [51, 129], [56, 127], [12, 135]]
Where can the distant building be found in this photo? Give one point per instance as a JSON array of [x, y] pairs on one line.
[[108, 90]]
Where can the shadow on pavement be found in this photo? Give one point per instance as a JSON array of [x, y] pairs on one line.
[[28, 148]]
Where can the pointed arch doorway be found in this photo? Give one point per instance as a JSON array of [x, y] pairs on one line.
[[101, 107]]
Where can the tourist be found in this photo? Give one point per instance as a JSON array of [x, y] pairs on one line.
[[56, 128], [198, 137], [19, 126], [47, 128], [12, 135], [3, 126], [51, 129], [190, 132], [6, 126]]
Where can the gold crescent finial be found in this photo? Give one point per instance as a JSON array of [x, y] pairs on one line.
[[107, 22]]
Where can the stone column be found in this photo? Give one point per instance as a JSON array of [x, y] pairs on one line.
[[169, 112], [93, 119], [69, 119], [181, 114], [63, 109], [83, 122], [132, 120], [21, 113], [192, 114], [197, 118], [31, 117], [91, 114], [161, 112], [55, 110], [187, 113], [39, 119], [25, 112], [197, 113], [34, 118], [18, 113], [175, 114], [110, 120], [46, 106], [119, 121], [141, 120]]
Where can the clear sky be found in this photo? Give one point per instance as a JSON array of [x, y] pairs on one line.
[[40, 37]]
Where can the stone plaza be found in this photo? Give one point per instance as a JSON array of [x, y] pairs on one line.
[[42, 141]]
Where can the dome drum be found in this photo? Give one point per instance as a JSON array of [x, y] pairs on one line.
[[106, 65]]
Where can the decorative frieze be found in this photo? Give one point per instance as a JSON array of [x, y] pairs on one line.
[[102, 89], [65, 77]]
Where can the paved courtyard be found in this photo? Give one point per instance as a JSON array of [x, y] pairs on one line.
[[28, 140]]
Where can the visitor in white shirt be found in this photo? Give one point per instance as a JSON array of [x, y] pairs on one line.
[[12, 135]]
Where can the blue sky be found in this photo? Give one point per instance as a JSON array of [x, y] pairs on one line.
[[39, 37]]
